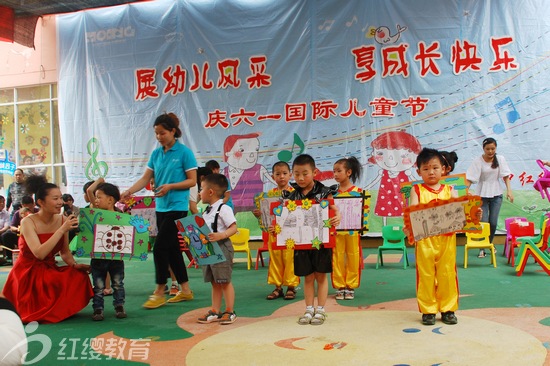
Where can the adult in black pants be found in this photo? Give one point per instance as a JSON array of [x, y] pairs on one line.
[[11, 236]]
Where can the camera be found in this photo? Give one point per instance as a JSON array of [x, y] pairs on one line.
[[67, 210]]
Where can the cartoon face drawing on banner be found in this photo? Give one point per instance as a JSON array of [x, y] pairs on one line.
[[245, 175], [395, 154], [383, 36]]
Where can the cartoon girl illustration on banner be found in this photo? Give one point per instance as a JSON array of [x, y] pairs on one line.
[[245, 175], [395, 153]]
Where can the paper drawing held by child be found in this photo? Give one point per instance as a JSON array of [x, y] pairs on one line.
[[194, 232], [111, 235], [354, 209], [443, 217], [303, 224], [113, 239]]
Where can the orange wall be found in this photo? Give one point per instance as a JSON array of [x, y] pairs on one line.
[[23, 66]]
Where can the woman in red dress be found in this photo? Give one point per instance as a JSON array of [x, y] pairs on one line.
[[39, 289]]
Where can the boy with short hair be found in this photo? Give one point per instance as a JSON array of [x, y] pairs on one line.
[[85, 189], [436, 277], [221, 220], [214, 166], [312, 264]]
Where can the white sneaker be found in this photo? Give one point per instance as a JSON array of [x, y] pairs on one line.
[[228, 318], [481, 254], [209, 317], [340, 294], [349, 295]]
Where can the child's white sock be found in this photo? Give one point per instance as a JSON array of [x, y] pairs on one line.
[[309, 308], [321, 309]]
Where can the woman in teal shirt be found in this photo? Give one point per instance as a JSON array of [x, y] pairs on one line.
[[174, 168]]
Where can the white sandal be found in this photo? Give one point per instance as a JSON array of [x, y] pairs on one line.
[[306, 318], [318, 318]]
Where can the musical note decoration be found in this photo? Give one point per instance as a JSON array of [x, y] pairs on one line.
[[511, 116], [95, 169], [327, 24], [286, 155], [350, 22]]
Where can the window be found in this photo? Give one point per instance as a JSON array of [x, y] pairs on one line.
[[29, 133]]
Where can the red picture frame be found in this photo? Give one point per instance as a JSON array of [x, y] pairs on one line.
[[303, 224]]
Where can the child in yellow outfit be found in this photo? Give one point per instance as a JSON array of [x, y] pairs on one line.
[[346, 265], [281, 262], [436, 276]]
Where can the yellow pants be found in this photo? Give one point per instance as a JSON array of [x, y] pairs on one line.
[[436, 278], [281, 266], [346, 265]]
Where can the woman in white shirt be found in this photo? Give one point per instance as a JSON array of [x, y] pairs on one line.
[[486, 171]]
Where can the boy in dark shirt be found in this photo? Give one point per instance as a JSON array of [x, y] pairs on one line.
[[312, 264]]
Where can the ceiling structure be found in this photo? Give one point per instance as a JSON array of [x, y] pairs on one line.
[[18, 17], [43, 7]]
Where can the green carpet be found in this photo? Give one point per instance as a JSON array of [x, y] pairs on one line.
[[481, 286]]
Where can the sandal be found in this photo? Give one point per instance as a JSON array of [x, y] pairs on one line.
[[275, 294], [306, 318], [290, 294], [318, 318]]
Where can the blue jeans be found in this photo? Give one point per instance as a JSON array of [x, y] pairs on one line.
[[491, 209], [100, 268]]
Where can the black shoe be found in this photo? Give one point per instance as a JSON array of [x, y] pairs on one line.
[[428, 319], [449, 318], [119, 312], [98, 315]]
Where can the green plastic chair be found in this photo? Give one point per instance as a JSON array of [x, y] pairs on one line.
[[393, 239]]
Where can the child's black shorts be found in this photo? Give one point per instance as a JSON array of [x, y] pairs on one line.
[[307, 261]]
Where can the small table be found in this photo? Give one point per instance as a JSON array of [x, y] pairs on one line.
[[519, 229]]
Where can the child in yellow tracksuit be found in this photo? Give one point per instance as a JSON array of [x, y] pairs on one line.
[[281, 261], [346, 261], [436, 276]]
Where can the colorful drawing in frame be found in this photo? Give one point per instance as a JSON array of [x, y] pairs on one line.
[[354, 209], [144, 206], [194, 232], [458, 181], [263, 201], [458, 214], [303, 224], [111, 235]]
